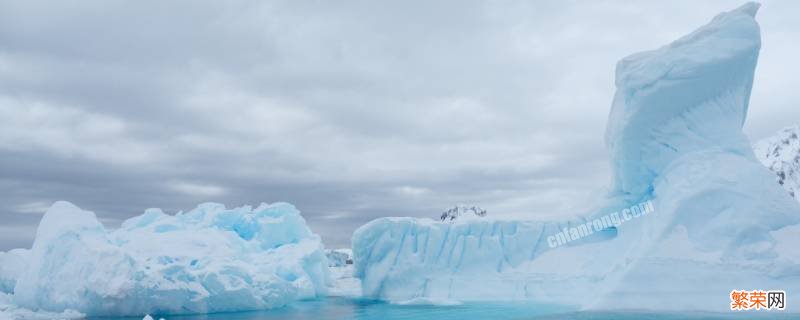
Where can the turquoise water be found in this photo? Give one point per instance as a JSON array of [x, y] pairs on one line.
[[344, 308]]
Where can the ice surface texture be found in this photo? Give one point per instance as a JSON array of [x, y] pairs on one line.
[[691, 95], [210, 259], [674, 136], [12, 264]]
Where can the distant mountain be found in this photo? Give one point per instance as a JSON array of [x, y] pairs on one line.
[[339, 257], [781, 154], [461, 211]]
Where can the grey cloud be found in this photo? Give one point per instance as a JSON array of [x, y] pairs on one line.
[[349, 110]]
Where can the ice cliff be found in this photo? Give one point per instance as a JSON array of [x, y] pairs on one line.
[[210, 259], [674, 137]]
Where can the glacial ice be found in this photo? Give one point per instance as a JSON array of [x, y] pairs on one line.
[[210, 259], [12, 264], [674, 137], [343, 283], [9, 311]]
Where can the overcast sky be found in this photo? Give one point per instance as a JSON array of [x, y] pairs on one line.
[[350, 110]]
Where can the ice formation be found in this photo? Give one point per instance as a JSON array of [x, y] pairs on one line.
[[343, 283], [9, 311], [781, 154], [210, 259], [674, 137], [12, 264]]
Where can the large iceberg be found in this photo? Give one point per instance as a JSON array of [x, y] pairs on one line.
[[210, 259], [674, 136]]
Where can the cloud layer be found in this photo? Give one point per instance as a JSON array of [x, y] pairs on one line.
[[350, 110]]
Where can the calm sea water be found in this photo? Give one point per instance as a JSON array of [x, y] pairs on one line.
[[344, 308]]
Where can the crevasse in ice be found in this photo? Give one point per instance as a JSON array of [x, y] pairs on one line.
[[674, 136]]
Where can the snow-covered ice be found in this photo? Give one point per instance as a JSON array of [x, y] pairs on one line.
[[674, 137], [12, 264], [210, 259], [9, 311], [343, 281]]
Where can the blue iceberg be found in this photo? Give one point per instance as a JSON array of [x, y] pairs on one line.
[[210, 259], [720, 222]]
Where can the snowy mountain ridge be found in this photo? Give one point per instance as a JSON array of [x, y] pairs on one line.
[[462, 211], [781, 154]]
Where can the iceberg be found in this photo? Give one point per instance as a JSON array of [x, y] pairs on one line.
[[210, 259], [12, 264], [675, 140]]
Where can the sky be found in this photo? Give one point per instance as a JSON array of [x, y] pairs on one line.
[[350, 110]]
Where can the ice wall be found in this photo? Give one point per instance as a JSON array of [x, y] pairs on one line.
[[404, 258], [210, 259], [401, 259], [674, 136], [688, 96], [675, 132]]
